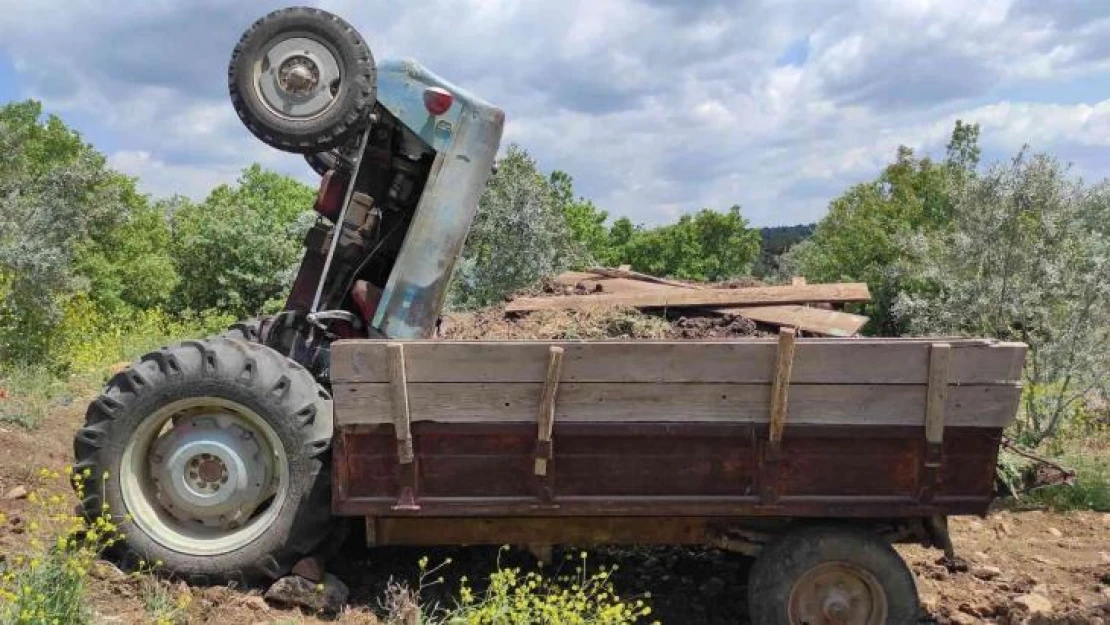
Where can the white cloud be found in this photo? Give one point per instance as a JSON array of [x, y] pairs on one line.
[[654, 106]]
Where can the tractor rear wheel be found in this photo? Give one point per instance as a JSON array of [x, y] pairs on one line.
[[212, 457]]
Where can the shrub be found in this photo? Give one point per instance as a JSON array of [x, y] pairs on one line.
[[46, 583]]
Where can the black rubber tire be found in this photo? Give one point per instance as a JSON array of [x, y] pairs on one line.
[[280, 391], [786, 559], [322, 162], [357, 90], [248, 330]]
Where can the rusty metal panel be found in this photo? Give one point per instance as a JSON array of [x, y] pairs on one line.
[[658, 470]]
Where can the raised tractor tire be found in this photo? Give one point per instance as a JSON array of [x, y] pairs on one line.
[[211, 457], [302, 80], [828, 575]]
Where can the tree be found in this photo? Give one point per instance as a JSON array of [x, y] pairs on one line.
[[1027, 258], [585, 221], [704, 246], [236, 250], [56, 195], [860, 238], [519, 235]]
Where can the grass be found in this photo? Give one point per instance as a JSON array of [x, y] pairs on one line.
[[164, 604], [1091, 490], [28, 394]]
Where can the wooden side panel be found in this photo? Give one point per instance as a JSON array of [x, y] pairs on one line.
[[863, 404], [819, 361], [753, 296]]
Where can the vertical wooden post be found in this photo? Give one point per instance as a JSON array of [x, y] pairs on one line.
[[780, 388], [936, 398], [546, 417], [939, 357], [780, 391], [398, 386]]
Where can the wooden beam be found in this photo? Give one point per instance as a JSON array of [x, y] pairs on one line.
[[591, 402], [749, 361], [937, 392], [546, 416], [399, 402], [628, 274], [755, 296], [815, 320], [780, 388]]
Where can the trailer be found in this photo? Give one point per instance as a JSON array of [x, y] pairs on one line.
[[745, 445]]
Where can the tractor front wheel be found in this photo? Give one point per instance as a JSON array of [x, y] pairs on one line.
[[211, 457]]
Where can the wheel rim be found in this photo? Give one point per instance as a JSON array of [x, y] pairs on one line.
[[297, 78], [837, 593], [204, 476]]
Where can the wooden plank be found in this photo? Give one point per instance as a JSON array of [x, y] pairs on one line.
[[839, 404], [798, 281], [818, 361], [754, 296], [399, 402], [816, 320], [546, 416], [628, 274], [780, 388], [937, 392]]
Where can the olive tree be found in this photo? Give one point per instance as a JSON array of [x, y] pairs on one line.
[[1026, 258], [519, 235]]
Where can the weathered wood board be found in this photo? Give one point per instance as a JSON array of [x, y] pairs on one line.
[[825, 404], [816, 320], [754, 296], [751, 361]]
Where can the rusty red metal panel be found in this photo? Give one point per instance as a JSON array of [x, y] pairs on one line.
[[661, 469]]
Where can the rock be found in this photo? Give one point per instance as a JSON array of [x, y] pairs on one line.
[[1044, 560], [328, 596], [255, 602], [1055, 532], [107, 571], [712, 587], [986, 572], [1035, 603], [960, 618], [310, 568], [17, 492]]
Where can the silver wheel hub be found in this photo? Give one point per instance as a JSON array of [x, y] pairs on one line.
[[298, 78], [211, 470]]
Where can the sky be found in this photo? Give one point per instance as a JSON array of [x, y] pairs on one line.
[[655, 107]]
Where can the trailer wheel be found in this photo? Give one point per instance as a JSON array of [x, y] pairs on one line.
[[302, 80], [831, 575], [212, 457]]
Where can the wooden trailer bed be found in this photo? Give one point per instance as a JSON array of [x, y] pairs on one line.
[[604, 435]]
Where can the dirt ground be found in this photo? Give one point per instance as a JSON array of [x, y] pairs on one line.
[[1059, 563]]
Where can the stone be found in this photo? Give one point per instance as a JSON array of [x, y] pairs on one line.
[[310, 568], [986, 572], [960, 618], [255, 602], [1056, 533], [17, 492], [712, 587], [293, 590], [1035, 603]]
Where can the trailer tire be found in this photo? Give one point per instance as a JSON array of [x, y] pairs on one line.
[[205, 417], [811, 573], [302, 80]]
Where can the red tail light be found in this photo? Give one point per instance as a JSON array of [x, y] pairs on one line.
[[437, 100], [329, 198]]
